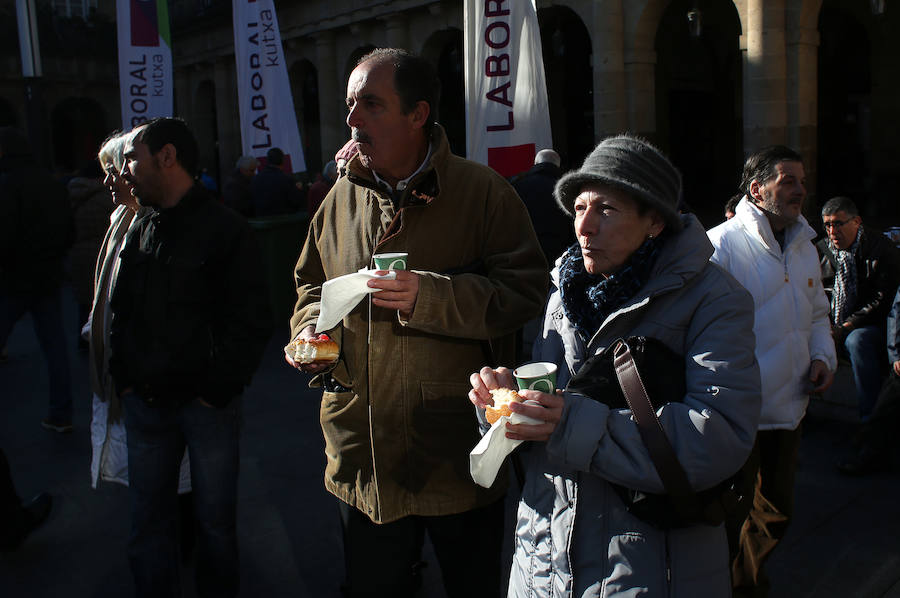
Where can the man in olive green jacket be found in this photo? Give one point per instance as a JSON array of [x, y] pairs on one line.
[[397, 423]]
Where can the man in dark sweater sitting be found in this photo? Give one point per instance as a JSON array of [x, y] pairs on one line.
[[861, 269]]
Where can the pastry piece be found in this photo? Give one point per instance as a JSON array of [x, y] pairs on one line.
[[320, 349], [502, 398]]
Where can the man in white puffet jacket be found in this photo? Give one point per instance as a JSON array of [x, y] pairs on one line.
[[768, 248]]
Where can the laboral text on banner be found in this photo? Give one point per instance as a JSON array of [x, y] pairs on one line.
[[145, 60], [507, 114], [264, 92]]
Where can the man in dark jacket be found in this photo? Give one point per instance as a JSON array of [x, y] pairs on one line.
[[861, 268], [190, 322], [36, 231], [878, 444], [274, 192], [535, 187]]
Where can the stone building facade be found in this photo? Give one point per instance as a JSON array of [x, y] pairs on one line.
[[708, 80]]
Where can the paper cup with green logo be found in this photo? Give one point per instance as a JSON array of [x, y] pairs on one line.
[[390, 261], [536, 376]]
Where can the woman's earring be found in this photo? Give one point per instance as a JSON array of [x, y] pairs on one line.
[[650, 236]]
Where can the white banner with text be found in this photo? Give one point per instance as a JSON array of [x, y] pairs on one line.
[[145, 60], [507, 113], [264, 91]]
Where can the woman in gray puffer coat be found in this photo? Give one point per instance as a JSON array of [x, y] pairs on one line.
[[639, 269]]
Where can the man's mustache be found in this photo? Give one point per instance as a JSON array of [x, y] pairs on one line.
[[360, 137]]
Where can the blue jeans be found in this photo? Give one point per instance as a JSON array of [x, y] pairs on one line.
[[867, 348], [46, 310], [157, 435]]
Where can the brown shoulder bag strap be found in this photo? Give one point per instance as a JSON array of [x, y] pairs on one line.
[[661, 452]]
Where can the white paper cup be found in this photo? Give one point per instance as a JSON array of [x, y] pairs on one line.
[[391, 261], [540, 376]]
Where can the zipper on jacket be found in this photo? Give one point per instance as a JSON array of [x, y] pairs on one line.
[[369, 323], [786, 277]]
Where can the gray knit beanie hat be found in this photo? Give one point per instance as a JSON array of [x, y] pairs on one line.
[[632, 165]]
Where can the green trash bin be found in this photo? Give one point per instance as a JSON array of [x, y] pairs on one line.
[[281, 240]]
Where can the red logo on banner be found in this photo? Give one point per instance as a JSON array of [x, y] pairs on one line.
[[144, 26], [511, 160]]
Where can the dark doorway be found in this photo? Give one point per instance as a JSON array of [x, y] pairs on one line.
[[698, 101], [452, 111], [8, 117], [444, 49], [305, 91], [206, 129], [78, 126], [566, 47], [845, 95]]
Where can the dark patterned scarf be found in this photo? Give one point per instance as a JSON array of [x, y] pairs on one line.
[[589, 298], [843, 297]]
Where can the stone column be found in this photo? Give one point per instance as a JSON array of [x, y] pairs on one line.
[[331, 96], [640, 90], [395, 34], [765, 75], [802, 99], [609, 69]]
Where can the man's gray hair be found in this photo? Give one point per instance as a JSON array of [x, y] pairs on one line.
[[245, 162], [547, 155], [761, 166], [840, 203]]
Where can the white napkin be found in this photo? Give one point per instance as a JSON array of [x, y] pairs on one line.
[[340, 295], [488, 455]]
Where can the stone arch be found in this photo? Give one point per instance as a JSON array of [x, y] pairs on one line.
[[206, 129], [77, 127], [304, 79], [568, 51], [445, 50], [807, 13], [641, 25]]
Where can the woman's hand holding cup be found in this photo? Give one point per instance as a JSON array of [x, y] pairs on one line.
[[538, 405], [542, 406]]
